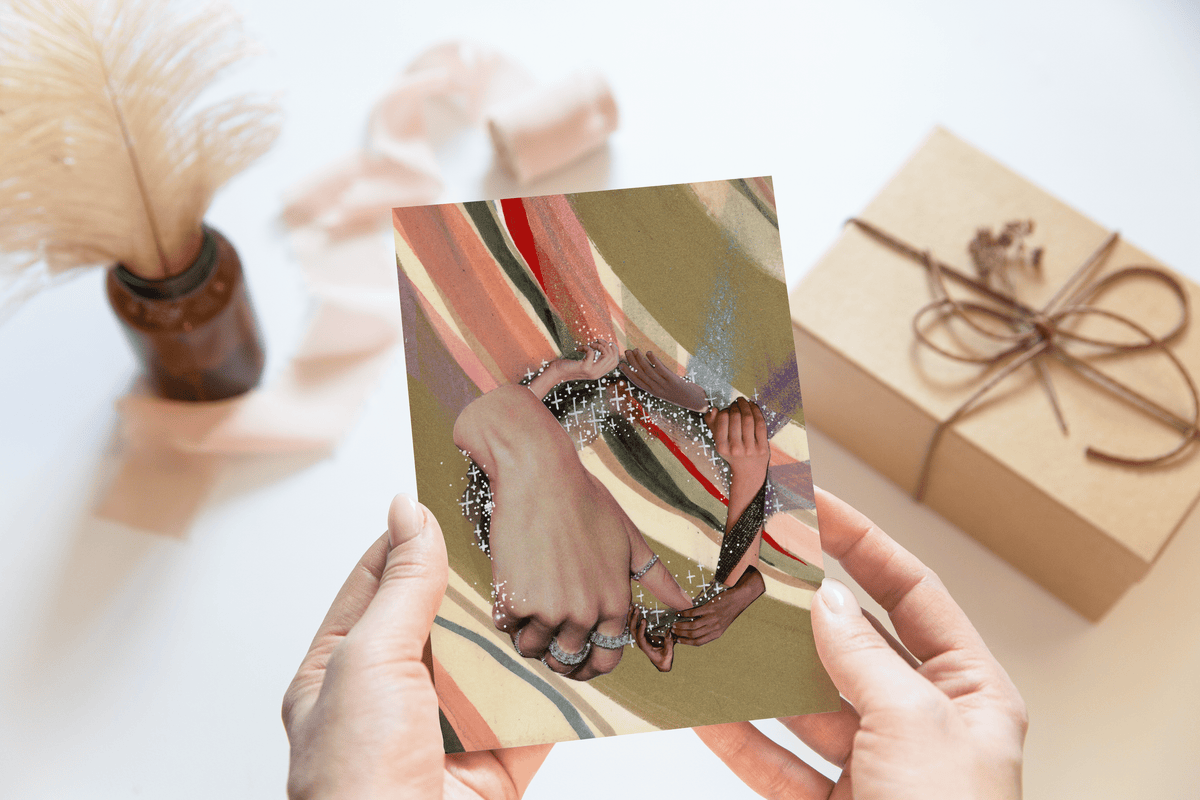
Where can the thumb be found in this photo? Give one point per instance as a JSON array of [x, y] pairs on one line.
[[863, 666], [413, 580]]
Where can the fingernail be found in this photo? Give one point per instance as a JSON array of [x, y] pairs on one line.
[[837, 598], [406, 518]]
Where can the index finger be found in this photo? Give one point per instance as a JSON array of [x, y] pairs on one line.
[[351, 602], [926, 617], [760, 424], [721, 429]]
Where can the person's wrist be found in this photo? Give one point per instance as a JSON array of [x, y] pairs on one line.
[[757, 585], [747, 477], [749, 587], [562, 369]]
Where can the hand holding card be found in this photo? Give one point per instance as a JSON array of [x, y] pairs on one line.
[[361, 712], [942, 721]]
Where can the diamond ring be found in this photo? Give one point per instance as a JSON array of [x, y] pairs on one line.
[[569, 659], [637, 576], [611, 642]]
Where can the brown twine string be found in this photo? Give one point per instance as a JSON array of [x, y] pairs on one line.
[[1033, 333]]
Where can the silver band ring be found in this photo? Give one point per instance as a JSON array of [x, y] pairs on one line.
[[611, 642], [637, 576], [517, 643], [569, 659]]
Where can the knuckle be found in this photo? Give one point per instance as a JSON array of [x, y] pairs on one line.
[[782, 782], [1020, 715], [614, 611], [615, 605], [544, 618], [300, 785], [288, 706], [607, 664], [519, 608], [354, 647], [348, 656], [1013, 707], [583, 616], [502, 618]]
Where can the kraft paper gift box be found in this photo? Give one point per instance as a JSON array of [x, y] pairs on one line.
[[1005, 472]]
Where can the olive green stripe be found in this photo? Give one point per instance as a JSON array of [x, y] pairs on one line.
[[489, 231], [687, 271], [640, 463]]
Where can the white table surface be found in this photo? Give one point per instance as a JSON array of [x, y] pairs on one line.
[[133, 665]]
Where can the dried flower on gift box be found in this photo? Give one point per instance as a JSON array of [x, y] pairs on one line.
[[105, 159]]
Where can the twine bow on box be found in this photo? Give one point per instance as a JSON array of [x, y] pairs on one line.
[[1024, 335]]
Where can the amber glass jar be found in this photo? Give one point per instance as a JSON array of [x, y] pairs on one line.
[[195, 332]]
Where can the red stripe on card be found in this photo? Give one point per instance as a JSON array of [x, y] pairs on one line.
[[662, 436], [517, 223], [767, 538]]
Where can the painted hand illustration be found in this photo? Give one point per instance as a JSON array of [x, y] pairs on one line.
[[599, 359], [659, 649], [706, 623], [648, 570], [649, 374], [740, 432], [560, 544], [560, 565]]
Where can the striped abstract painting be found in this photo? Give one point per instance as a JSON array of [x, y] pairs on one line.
[[502, 298]]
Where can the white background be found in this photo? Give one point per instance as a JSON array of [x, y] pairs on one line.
[[138, 666]]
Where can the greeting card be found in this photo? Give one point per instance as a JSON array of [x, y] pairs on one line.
[[607, 423]]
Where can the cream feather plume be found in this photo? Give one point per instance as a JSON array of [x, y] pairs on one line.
[[103, 156]]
